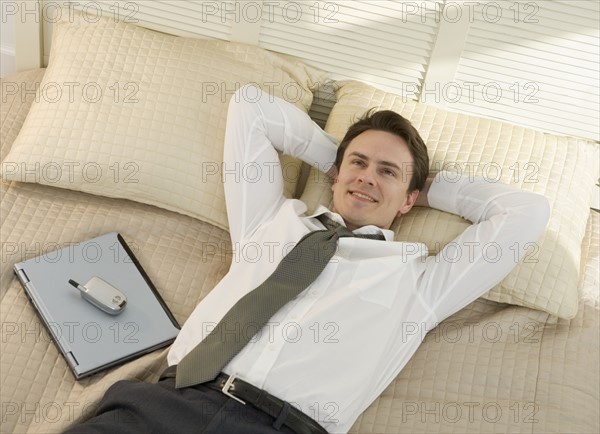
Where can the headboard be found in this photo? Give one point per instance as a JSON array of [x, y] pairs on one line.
[[532, 63]]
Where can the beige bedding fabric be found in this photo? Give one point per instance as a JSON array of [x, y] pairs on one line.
[[490, 368], [145, 117]]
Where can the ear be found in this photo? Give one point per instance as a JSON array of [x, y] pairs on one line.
[[409, 202], [333, 182]]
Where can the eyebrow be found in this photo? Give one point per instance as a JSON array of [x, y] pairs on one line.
[[382, 162]]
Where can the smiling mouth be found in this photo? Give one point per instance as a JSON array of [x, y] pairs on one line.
[[362, 196]]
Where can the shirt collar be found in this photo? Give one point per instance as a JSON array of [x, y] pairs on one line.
[[368, 229]]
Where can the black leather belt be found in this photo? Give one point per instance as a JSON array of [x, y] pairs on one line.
[[246, 393]]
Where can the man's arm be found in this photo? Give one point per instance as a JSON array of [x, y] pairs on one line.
[[506, 223], [259, 125]]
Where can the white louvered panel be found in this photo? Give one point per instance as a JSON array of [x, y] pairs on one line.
[[201, 19], [372, 41], [195, 18], [545, 65], [323, 101]]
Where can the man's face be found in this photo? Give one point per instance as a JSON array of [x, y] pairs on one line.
[[372, 183]]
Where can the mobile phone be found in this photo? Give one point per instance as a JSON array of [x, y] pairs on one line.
[[102, 295]]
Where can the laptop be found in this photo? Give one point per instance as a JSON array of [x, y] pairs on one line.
[[90, 339]]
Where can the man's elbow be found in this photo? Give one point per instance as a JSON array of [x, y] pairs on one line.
[[244, 102], [248, 93]]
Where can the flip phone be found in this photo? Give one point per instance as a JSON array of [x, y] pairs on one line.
[[102, 295]]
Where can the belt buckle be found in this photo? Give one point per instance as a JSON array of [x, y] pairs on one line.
[[230, 386]]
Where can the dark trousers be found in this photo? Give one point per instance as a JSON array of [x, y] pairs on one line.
[[135, 407]]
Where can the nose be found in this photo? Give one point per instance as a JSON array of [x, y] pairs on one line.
[[367, 177]]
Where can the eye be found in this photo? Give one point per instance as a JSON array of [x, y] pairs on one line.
[[388, 172], [357, 162]]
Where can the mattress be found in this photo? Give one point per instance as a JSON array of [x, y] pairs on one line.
[[491, 367]]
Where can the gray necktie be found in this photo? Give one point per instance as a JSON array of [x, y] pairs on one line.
[[296, 271]]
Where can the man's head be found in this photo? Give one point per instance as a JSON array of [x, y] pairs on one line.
[[382, 165]]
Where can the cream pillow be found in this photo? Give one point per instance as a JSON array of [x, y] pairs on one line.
[[131, 113], [564, 169]]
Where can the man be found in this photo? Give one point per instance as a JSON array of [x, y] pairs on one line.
[[328, 353]]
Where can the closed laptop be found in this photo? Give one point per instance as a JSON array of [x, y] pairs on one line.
[[89, 338]]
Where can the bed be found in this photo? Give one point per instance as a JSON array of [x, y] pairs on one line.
[[524, 358]]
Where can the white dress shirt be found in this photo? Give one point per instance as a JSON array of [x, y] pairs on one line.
[[334, 348]]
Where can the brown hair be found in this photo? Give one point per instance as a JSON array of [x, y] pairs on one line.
[[391, 122]]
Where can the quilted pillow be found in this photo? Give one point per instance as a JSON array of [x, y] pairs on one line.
[[563, 169], [127, 112]]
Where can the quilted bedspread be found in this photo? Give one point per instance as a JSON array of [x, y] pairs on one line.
[[491, 367]]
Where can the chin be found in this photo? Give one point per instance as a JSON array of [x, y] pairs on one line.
[[355, 223]]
